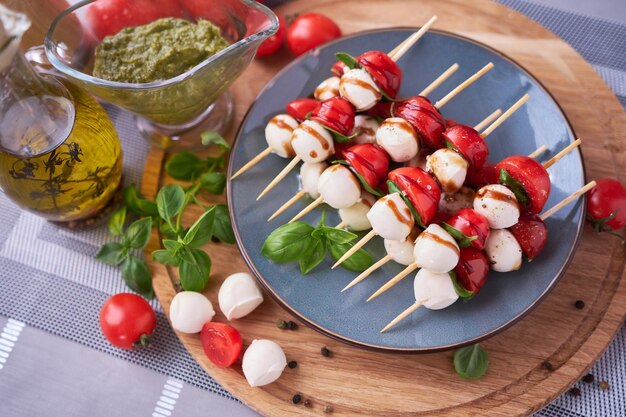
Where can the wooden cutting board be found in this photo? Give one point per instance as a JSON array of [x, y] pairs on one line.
[[359, 382]]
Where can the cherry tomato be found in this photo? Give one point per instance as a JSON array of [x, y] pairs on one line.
[[370, 161], [338, 68], [383, 70], [424, 117], [468, 143], [480, 177], [531, 233], [274, 42], [336, 114], [472, 269], [450, 123], [301, 107], [533, 177], [310, 30], [421, 189], [473, 225], [607, 205], [127, 320], [382, 109], [222, 343]]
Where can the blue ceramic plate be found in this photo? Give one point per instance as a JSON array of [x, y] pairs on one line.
[[316, 298]]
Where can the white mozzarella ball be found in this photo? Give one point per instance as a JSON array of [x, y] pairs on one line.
[[449, 168], [396, 136], [498, 204], [355, 216], [449, 204], [434, 290], [503, 251], [189, 311], [263, 362], [391, 218], [419, 160], [278, 135], [435, 250], [401, 252], [312, 142], [339, 187], [239, 295], [358, 87], [309, 177], [365, 128], [328, 88]]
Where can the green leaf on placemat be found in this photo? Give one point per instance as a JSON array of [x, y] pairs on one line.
[[471, 362]]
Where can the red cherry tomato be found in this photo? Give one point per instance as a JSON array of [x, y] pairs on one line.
[[533, 177], [425, 118], [472, 269], [127, 320], [468, 143], [607, 205], [478, 178], [301, 107], [222, 343], [336, 114], [338, 68], [310, 30], [450, 123], [383, 70], [421, 189], [531, 233], [370, 161], [472, 225], [382, 109], [274, 42]]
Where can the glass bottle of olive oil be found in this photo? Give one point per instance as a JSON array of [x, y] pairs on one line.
[[60, 156]]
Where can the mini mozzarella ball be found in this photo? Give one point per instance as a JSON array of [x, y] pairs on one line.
[[401, 252], [312, 142], [449, 168], [278, 135], [398, 138], [435, 291], [365, 128], [189, 311], [391, 218], [358, 87], [339, 187], [449, 204], [263, 362], [309, 177], [355, 216], [328, 88], [498, 204], [419, 160], [239, 295], [435, 250], [503, 251]]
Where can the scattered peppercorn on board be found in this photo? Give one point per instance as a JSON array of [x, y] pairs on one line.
[[530, 363]]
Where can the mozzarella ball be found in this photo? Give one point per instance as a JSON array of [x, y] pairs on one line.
[[449, 168], [449, 204], [310, 175], [278, 135], [312, 142], [358, 87], [365, 128], [435, 291], [339, 187], [435, 250], [419, 160], [498, 204], [328, 88], [391, 218], [189, 311], [239, 295], [503, 251], [401, 252], [263, 362], [355, 216], [396, 136]]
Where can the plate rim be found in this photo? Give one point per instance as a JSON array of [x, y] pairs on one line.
[[373, 347]]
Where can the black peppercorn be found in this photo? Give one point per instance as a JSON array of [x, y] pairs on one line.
[[291, 325], [281, 324], [579, 304], [292, 364], [548, 365], [296, 398], [307, 403], [574, 392], [326, 352], [589, 378]]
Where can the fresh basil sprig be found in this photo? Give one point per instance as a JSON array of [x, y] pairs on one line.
[[471, 362]]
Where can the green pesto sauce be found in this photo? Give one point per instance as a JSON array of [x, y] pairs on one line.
[[157, 51]]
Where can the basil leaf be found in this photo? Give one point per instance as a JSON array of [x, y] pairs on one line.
[[139, 205], [364, 183], [164, 257], [515, 186], [201, 231], [167, 230], [170, 201], [214, 138], [138, 233], [318, 233], [358, 262], [194, 276], [460, 290], [112, 253], [393, 188], [116, 221], [339, 137], [213, 182], [337, 235], [185, 166], [172, 246], [288, 242], [462, 239], [471, 362], [449, 145], [347, 59], [315, 256], [137, 276], [222, 228]]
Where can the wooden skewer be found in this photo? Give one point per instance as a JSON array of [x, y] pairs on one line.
[[403, 315], [568, 200], [519, 103], [367, 272], [401, 49], [342, 225], [480, 126], [561, 154], [291, 165], [308, 209], [439, 80], [463, 85], [252, 162], [538, 152], [355, 248], [288, 204], [393, 281]]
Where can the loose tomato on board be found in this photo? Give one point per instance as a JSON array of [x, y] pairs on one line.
[[424, 117], [336, 114], [385, 72], [467, 142], [370, 161], [472, 269], [606, 205], [274, 42], [473, 226], [531, 233], [421, 189], [127, 320], [310, 30], [531, 175], [221, 343], [300, 108]]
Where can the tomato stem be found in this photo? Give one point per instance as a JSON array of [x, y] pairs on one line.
[[145, 340]]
